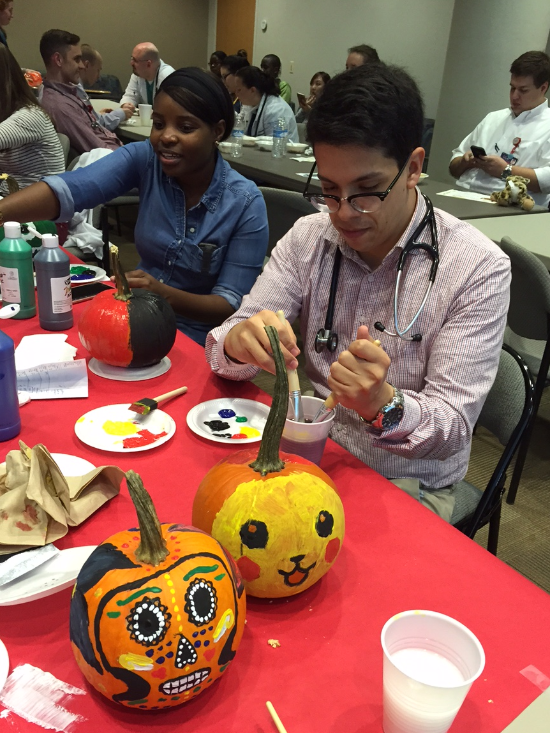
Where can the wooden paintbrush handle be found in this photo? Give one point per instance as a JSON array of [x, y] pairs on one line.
[[173, 393], [293, 381], [331, 402]]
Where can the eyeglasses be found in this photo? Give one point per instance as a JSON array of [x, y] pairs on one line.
[[364, 203]]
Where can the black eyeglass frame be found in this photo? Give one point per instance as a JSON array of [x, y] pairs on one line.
[[382, 195]]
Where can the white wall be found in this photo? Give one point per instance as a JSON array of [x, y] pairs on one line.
[[316, 34], [212, 23]]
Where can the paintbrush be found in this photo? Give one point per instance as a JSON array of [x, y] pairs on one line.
[[330, 403], [146, 404], [294, 391], [278, 724]]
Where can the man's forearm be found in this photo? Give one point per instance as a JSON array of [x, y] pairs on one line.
[[33, 203], [458, 166]]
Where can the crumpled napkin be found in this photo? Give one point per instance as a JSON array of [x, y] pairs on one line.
[[38, 504]]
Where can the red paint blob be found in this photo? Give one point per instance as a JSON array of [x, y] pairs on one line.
[[249, 569], [144, 437], [332, 550], [160, 673], [208, 654], [239, 436]]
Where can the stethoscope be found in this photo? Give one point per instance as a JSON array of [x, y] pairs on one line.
[[328, 338], [258, 117]]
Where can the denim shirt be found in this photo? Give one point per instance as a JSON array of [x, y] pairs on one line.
[[217, 247]]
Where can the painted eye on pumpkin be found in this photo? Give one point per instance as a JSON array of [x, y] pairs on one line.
[[201, 602], [254, 535], [148, 621], [324, 524]]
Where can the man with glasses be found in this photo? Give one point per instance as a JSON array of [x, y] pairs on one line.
[[149, 73], [407, 405], [229, 66]]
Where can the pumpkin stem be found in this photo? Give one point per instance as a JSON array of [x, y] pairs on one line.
[[123, 289], [268, 460], [152, 547]]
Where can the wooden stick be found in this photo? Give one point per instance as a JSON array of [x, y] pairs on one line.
[[293, 382], [168, 395], [278, 724]]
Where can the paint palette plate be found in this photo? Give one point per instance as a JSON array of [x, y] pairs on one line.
[[4, 665], [72, 465], [127, 374], [255, 413], [51, 577], [79, 278], [117, 429]]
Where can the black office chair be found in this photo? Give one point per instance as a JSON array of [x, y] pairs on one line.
[[284, 208], [506, 413]]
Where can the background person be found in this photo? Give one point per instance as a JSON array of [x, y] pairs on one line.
[[366, 130], [149, 71], [257, 90], [215, 62], [229, 66], [359, 55], [316, 86], [271, 65], [92, 65], [6, 15], [29, 145], [516, 139], [201, 230]]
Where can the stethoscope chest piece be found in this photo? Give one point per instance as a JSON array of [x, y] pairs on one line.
[[325, 338]]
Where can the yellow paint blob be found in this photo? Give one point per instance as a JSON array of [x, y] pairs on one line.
[[225, 623], [81, 419], [98, 592], [135, 662], [178, 618], [250, 432], [120, 427], [167, 575], [176, 609], [170, 582]]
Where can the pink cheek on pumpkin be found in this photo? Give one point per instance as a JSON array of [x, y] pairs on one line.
[[332, 549], [249, 569]]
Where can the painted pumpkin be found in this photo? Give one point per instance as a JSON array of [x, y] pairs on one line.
[[127, 328], [280, 516], [157, 613]]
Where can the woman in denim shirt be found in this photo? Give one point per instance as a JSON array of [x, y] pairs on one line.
[[202, 228]]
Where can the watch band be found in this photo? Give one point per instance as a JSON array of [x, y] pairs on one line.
[[389, 415], [506, 172]]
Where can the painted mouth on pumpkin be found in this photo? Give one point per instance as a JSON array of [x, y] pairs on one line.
[[181, 684], [298, 574]]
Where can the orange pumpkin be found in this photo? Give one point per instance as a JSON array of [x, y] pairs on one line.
[[280, 516], [157, 613]]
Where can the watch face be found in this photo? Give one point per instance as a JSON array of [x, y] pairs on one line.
[[392, 417]]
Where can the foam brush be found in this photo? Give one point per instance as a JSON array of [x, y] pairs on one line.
[[145, 405]]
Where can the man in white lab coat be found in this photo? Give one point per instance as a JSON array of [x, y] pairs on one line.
[[149, 73]]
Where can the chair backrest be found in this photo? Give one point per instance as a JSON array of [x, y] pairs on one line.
[[284, 208], [65, 145], [530, 293], [301, 131]]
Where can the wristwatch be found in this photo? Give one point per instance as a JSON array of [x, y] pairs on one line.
[[506, 172], [389, 415]]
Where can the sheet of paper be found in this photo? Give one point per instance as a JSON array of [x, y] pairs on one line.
[[55, 381], [303, 158], [470, 195], [314, 177], [534, 719], [43, 348]]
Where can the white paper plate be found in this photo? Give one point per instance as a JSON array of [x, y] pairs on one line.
[[226, 146], [72, 465], [129, 374], [89, 428], [255, 412], [52, 576], [4, 665], [99, 274], [423, 176], [249, 141]]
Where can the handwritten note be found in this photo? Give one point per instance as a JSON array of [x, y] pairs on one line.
[[55, 381], [470, 195]]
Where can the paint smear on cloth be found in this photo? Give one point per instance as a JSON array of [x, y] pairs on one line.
[[36, 696]]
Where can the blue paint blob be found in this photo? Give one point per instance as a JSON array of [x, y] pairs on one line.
[[195, 634], [160, 648], [197, 644], [149, 652], [206, 643], [169, 643], [227, 413], [160, 660], [169, 655], [210, 628], [203, 632]]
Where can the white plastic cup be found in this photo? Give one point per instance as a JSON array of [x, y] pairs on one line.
[[306, 439], [430, 663], [145, 111]]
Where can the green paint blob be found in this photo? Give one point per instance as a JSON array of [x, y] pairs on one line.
[[137, 594], [241, 419], [136, 702], [222, 669], [113, 614], [201, 569], [220, 577], [176, 697]]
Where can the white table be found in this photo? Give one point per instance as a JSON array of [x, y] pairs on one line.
[[99, 104], [531, 232]]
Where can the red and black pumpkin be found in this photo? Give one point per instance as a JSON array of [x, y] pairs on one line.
[[127, 328], [157, 613], [280, 515]]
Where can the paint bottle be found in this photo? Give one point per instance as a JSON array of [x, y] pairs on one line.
[[10, 422], [16, 275], [53, 285]]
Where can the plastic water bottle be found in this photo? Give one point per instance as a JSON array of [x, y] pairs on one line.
[[53, 285], [280, 134], [237, 136], [16, 275], [10, 422]]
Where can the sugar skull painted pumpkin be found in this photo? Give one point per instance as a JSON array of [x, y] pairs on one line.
[[157, 614], [279, 515]]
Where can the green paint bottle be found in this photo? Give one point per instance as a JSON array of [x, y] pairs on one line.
[[16, 275]]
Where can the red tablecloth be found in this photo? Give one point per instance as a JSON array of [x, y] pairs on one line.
[[327, 673]]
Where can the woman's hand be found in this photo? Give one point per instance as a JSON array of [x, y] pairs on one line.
[[140, 279], [358, 378]]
